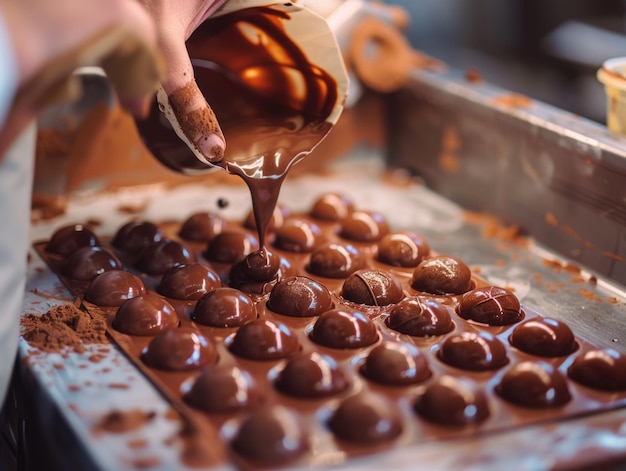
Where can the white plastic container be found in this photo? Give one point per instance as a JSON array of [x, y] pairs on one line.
[[613, 76]]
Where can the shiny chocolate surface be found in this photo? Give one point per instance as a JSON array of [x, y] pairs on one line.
[[68, 239], [359, 369], [145, 315], [442, 274], [113, 287]]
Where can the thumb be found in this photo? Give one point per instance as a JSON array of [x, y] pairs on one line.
[[194, 115]]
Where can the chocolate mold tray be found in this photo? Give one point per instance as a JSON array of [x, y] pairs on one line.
[[360, 340]]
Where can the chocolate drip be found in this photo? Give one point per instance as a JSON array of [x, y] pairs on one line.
[[271, 101]]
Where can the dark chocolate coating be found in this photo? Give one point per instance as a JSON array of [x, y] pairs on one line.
[[230, 246], [68, 239], [344, 329], [224, 307], [113, 287], [311, 375], [604, 370], [299, 296], [259, 265], [402, 249], [372, 287], [396, 364], [136, 235], [443, 274], [366, 419], [88, 262], [475, 351], [535, 385], [257, 272], [264, 340], [145, 315], [491, 305], [182, 349], [364, 226], [202, 227], [334, 260], [544, 337], [188, 282], [420, 317], [221, 389], [160, 256], [271, 436], [297, 236], [332, 207], [453, 402]]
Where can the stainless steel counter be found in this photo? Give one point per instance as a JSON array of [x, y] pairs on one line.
[[68, 395]]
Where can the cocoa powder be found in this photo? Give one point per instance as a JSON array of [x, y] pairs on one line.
[[64, 326]]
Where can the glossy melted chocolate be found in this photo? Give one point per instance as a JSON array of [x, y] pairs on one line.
[[271, 101]]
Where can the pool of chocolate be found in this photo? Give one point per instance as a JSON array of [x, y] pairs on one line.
[[339, 338]]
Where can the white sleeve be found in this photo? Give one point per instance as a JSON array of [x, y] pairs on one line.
[[8, 71]]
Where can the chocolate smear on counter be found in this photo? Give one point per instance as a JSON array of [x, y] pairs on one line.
[[118, 421]]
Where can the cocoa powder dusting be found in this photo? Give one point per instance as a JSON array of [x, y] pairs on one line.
[[196, 123], [46, 207], [64, 326]]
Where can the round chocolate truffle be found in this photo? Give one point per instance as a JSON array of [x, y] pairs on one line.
[[220, 389], [70, 238], [259, 265], [332, 207], [339, 328], [136, 235], [230, 246], [364, 226], [202, 227], [453, 402], [299, 296], [188, 282], [145, 315], [263, 340], [366, 419], [311, 375], [536, 385], [113, 287], [162, 255], [491, 305], [182, 349], [86, 263], [443, 274], [372, 287], [224, 307], [396, 364], [277, 220], [335, 261], [604, 370], [475, 351], [297, 235], [270, 437], [402, 249], [420, 317], [544, 337]]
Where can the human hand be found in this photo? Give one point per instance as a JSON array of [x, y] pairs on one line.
[[176, 20], [51, 39]]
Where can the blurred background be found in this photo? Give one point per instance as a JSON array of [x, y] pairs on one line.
[[548, 50]]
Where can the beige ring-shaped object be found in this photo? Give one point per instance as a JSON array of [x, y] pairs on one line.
[[380, 55]]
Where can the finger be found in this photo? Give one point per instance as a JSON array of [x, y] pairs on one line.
[[194, 115]]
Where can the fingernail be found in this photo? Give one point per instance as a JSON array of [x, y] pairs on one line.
[[212, 147]]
